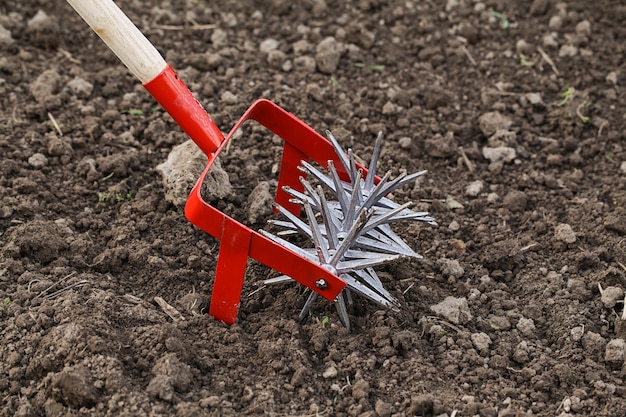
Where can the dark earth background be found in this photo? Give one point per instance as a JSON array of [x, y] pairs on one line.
[[516, 109]]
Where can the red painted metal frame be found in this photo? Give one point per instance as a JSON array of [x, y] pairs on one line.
[[237, 241]]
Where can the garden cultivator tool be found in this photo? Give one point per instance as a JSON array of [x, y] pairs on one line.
[[353, 235]]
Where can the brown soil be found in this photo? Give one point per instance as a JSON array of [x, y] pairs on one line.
[[540, 241]]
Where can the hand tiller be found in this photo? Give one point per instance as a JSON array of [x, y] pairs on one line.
[[354, 234]]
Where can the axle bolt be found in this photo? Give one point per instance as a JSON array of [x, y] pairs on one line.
[[321, 284]]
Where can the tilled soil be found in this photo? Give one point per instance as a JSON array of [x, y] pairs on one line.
[[516, 109]]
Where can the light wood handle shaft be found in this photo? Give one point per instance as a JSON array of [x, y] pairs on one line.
[[122, 37]]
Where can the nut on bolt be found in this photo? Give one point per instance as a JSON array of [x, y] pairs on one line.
[[321, 284]]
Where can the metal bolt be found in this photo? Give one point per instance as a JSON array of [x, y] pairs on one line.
[[321, 284]]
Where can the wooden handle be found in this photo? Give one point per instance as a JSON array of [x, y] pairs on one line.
[[122, 37]]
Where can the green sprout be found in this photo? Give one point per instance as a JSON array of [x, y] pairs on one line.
[[334, 80], [325, 321], [374, 67], [524, 61], [567, 96], [504, 22], [135, 112], [581, 116], [6, 302], [106, 197]]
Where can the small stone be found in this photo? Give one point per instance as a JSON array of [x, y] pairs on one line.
[[515, 201], [521, 46], [229, 98], [499, 322], [276, 58], [268, 45], [260, 202], [481, 342], [181, 171], [539, 7], [43, 30], [328, 52], [526, 327], [568, 51], [614, 352], [564, 233], [593, 343], [80, 87], [450, 267], [441, 146], [492, 121], [583, 28], [550, 40], [330, 372], [304, 63], [535, 99], [405, 142], [45, 85], [218, 37], [499, 154], [360, 389], [454, 226], [611, 78], [455, 310], [382, 408], [389, 109], [38, 160], [474, 188], [577, 333], [521, 354], [555, 22], [611, 295], [5, 36]]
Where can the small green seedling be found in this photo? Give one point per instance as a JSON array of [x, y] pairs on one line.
[[106, 197], [135, 112], [6, 302], [375, 67], [325, 321], [524, 61], [504, 22], [579, 109], [334, 80], [567, 95]]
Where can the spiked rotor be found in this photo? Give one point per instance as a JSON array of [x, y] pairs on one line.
[[350, 231]]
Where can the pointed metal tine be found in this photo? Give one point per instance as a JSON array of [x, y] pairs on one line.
[[288, 245], [385, 218], [310, 192], [278, 280], [375, 194], [342, 311], [319, 175], [329, 220], [357, 264], [299, 224], [366, 290], [401, 180], [341, 154], [353, 169], [316, 234], [339, 190], [349, 300], [371, 170], [350, 238], [298, 196], [307, 306], [355, 200]]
